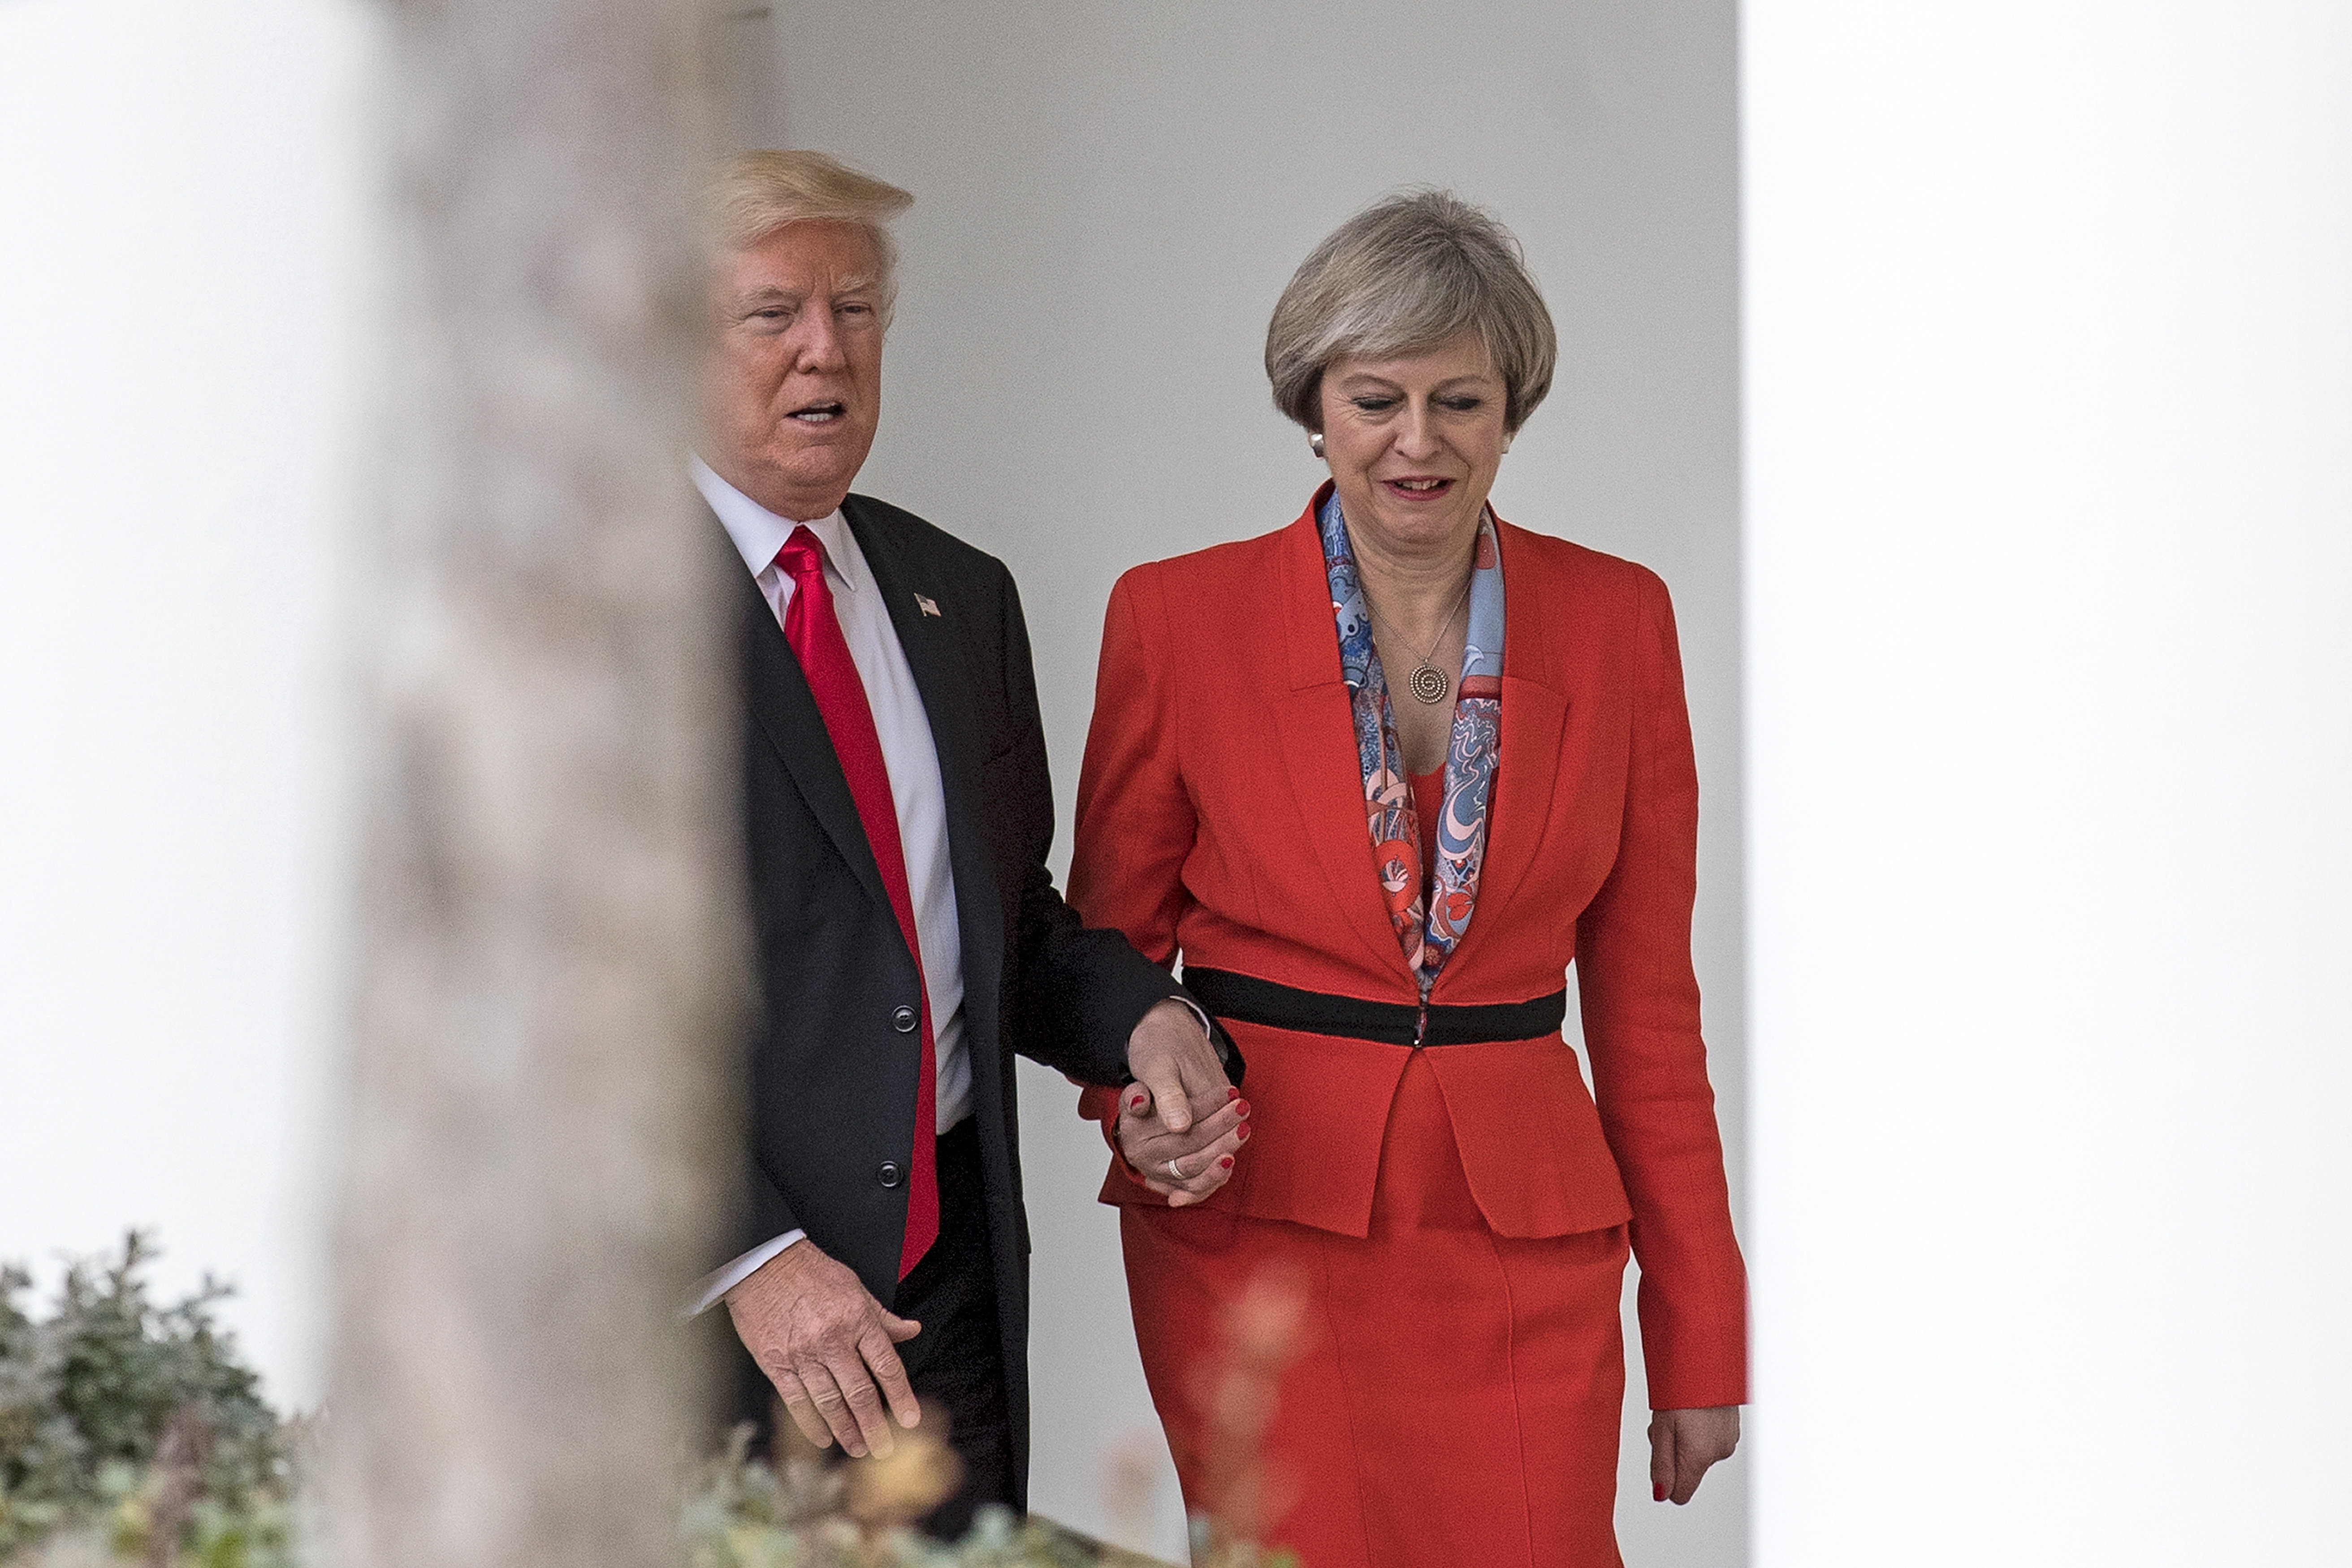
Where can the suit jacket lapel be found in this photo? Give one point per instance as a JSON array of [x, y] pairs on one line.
[[1534, 720], [935, 654], [786, 712], [1317, 736]]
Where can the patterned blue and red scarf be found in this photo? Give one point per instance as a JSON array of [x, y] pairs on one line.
[[1429, 929]]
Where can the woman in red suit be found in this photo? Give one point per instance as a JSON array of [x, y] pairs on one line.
[[1379, 777]]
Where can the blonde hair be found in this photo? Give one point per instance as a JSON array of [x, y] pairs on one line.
[[753, 195], [1404, 276]]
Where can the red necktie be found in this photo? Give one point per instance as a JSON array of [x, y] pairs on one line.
[[814, 633]]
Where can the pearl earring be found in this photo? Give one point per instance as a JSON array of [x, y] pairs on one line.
[[1315, 443]]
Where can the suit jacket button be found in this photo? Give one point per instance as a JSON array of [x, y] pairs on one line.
[[887, 1173], [903, 1020]]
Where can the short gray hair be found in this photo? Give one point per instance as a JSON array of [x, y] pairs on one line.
[[1407, 274], [753, 195]]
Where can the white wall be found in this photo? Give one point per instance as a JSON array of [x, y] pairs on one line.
[[1107, 201], [2049, 335], [182, 298]]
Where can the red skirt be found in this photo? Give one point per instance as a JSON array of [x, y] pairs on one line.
[[1455, 1394]]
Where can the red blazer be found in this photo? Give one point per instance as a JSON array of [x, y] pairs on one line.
[[1221, 816]]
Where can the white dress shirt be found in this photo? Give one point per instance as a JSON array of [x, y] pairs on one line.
[[916, 792]]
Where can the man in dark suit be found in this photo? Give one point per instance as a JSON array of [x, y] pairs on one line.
[[909, 937]]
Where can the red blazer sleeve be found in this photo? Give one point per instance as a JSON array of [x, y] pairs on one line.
[[1641, 1007], [1135, 823]]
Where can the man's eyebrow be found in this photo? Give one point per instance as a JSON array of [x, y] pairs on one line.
[[769, 293]]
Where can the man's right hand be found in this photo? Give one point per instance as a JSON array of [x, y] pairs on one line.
[[826, 1343]]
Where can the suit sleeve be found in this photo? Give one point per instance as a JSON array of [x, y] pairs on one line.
[[1640, 1008], [760, 1213], [1136, 823], [1084, 988]]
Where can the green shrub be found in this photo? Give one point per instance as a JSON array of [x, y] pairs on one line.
[[130, 1432], [122, 1415]]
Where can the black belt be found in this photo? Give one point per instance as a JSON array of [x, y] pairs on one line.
[[1250, 1000]]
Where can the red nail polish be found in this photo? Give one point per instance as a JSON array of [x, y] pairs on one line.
[[1226, 1162], [1243, 1111], [1231, 1093], [1658, 1491], [1244, 1134], [1136, 1104]]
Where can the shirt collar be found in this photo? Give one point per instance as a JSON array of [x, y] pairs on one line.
[[758, 533]]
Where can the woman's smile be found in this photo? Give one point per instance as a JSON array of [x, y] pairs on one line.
[[1419, 488]]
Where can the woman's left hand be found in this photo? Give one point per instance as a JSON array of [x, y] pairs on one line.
[[1188, 1166], [1684, 1443]]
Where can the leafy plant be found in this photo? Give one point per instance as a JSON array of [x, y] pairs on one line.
[[136, 1420], [803, 1514], [131, 1432]]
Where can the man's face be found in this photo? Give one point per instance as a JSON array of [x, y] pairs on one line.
[[792, 379]]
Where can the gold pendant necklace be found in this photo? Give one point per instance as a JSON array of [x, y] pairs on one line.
[[1428, 683]]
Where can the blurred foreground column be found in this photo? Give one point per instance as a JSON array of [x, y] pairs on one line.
[[2049, 553], [547, 941]]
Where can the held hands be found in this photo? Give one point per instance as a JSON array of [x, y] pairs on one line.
[[1684, 1443], [1180, 1108], [826, 1344]]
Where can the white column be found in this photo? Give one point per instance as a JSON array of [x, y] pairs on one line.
[[2049, 457], [187, 311]]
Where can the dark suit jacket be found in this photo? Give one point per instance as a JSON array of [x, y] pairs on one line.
[[831, 1073]]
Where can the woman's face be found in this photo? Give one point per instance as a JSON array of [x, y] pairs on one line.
[[1413, 444]]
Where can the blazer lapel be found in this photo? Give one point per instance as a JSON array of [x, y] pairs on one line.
[[935, 654], [1535, 721], [1316, 732]]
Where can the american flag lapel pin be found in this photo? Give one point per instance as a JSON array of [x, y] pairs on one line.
[[928, 605]]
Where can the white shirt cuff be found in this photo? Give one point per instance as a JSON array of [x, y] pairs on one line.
[[717, 1284], [1198, 1011]]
